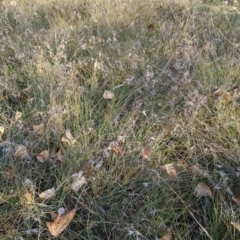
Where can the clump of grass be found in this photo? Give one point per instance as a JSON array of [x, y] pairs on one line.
[[174, 71]]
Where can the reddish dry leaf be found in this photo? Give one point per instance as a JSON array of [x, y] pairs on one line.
[[61, 222], [68, 138], [43, 156], [202, 189], [146, 153], [108, 95], [39, 129], [198, 171], [115, 147], [168, 236], [50, 193], [20, 152]]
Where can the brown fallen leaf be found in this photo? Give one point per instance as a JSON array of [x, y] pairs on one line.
[[1, 132], [50, 193], [150, 27], [39, 129], [43, 156], [171, 169], [68, 138], [198, 171], [61, 222], [20, 152], [108, 95], [146, 153], [236, 225], [167, 236], [182, 163], [202, 189], [28, 196], [115, 147]]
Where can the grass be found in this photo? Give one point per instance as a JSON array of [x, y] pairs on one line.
[[174, 70]]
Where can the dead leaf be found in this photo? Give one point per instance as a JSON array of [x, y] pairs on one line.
[[78, 181], [55, 155], [236, 225], [115, 147], [1, 132], [121, 139], [53, 215], [68, 138], [28, 197], [87, 168], [171, 169], [150, 27], [167, 236], [17, 116], [39, 129], [182, 163], [108, 95], [202, 189], [61, 222], [50, 193], [20, 152], [198, 171], [43, 156], [237, 198], [146, 153]]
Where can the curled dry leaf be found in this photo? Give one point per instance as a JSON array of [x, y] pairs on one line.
[[146, 153], [1, 132], [61, 222], [167, 236], [39, 129], [115, 147], [50, 193], [236, 225], [198, 171], [43, 156], [171, 169], [78, 181], [20, 152], [202, 189], [68, 138], [108, 95]]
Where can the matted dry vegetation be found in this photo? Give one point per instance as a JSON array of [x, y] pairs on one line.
[[119, 120]]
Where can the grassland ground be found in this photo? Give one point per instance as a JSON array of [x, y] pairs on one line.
[[137, 102]]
